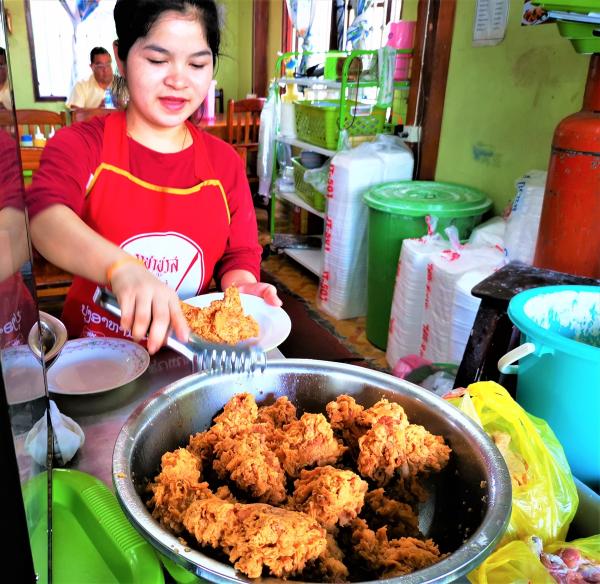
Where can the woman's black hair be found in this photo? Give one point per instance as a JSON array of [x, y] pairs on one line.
[[134, 19]]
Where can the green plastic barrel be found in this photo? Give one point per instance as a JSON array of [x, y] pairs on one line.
[[398, 211]]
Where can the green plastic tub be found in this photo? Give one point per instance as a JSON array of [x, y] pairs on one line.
[[304, 190], [317, 122], [92, 540], [398, 211]]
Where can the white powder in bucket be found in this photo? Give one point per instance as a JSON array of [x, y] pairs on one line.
[[575, 315]]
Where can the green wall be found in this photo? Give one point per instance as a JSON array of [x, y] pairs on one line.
[[503, 102], [234, 72]]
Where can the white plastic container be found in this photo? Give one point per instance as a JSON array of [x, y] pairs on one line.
[[343, 286], [523, 223]]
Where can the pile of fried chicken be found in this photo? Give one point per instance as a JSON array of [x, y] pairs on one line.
[[332, 499], [223, 321]]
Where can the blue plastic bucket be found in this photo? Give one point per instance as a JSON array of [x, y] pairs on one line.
[[559, 368]]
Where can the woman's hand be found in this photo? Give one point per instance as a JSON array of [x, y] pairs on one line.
[[147, 306], [267, 292], [246, 283]]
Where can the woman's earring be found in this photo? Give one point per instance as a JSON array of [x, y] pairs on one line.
[[120, 91]]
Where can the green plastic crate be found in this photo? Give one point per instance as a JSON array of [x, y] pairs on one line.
[[305, 191], [317, 122]]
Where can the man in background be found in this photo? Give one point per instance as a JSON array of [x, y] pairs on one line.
[[90, 92], [5, 99]]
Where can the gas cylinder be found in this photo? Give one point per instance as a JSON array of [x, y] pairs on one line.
[[569, 236]]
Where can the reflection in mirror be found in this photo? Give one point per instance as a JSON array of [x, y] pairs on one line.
[[61, 52], [23, 398]]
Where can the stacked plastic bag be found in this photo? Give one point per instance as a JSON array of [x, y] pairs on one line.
[[433, 309], [406, 318], [446, 320], [523, 223], [343, 285]]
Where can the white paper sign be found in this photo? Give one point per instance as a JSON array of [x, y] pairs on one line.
[[491, 17]]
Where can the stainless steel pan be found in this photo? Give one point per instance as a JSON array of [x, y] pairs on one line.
[[466, 514]]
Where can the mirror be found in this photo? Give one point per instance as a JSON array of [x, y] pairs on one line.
[[61, 52], [23, 397]]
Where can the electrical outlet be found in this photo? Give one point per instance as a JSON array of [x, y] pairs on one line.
[[411, 133]]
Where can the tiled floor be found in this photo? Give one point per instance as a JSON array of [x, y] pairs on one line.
[[305, 284]]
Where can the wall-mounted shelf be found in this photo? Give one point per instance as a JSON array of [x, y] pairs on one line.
[[299, 202], [311, 259], [344, 76], [305, 145]]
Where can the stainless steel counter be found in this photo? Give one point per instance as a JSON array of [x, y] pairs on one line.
[[102, 415]]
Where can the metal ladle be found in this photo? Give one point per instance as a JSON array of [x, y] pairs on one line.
[[47, 340]]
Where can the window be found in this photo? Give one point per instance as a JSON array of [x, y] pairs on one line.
[[322, 38], [61, 50]]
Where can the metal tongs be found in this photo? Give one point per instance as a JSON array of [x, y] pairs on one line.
[[203, 355]]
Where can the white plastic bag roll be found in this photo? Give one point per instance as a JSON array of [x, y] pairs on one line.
[[523, 223], [444, 274], [406, 315], [464, 311], [343, 286]]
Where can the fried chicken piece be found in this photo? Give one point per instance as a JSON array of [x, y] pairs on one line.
[[383, 511], [224, 492], [332, 496], [223, 321], [238, 413], [281, 540], [308, 441], [354, 421], [175, 488], [256, 535], [390, 446], [395, 557], [329, 566], [367, 418], [246, 459], [343, 414], [207, 519], [409, 490], [282, 412]]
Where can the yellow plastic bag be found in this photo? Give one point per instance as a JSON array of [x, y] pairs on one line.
[[544, 499], [588, 546], [516, 562]]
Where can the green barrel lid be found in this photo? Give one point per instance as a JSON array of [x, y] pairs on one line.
[[420, 198]]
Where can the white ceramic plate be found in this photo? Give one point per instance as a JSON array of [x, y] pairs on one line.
[[274, 323], [95, 365], [23, 377]]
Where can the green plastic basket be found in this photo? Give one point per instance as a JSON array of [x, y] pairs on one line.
[[305, 191], [317, 122]]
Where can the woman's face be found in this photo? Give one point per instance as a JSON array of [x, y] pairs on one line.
[[168, 71]]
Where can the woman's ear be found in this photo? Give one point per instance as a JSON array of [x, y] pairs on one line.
[[120, 64]]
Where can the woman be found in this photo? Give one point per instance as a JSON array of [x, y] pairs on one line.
[[148, 185]]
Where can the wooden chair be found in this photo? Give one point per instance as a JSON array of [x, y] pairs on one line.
[[243, 122], [83, 114], [52, 283], [30, 158], [28, 119]]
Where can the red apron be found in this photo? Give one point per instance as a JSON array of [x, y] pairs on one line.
[[18, 312], [179, 233]]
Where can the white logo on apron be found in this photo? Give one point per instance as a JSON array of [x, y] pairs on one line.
[[172, 257]]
